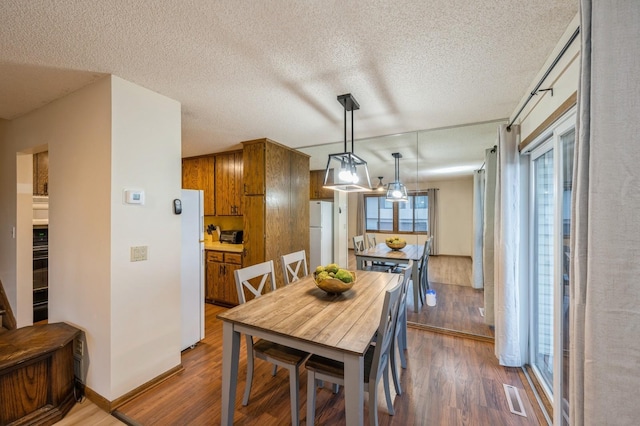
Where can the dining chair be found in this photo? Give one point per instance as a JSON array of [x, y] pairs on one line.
[[359, 247], [254, 280], [424, 269], [294, 266], [400, 338], [371, 239], [376, 363]]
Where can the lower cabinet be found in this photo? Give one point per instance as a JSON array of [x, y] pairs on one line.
[[220, 283]]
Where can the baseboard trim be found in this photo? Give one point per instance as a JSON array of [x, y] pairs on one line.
[[109, 406], [450, 332]]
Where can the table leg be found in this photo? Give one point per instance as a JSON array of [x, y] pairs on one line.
[[354, 389], [230, 356]]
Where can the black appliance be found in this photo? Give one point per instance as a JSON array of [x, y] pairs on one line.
[[40, 274], [231, 237]]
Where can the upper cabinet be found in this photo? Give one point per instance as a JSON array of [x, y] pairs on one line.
[[316, 190], [197, 173], [276, 202], [41, 173], [254, 176], [229, 189]]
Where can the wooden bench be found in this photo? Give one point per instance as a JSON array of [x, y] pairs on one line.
[[37, 374]]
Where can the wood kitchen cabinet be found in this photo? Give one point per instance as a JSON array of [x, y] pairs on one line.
[[228, 183], [41, 173], [197, 173], [220, 281], [276, 203], [316, 190]]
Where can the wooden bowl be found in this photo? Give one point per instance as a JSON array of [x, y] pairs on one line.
[[334, 285], [396, 246]]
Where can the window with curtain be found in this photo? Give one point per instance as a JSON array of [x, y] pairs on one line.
[[404, 217], [550, 188]]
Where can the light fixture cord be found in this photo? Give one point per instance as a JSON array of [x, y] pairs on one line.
[[351, 130], [345, 128]]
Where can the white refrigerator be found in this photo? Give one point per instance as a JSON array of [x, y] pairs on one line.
[[192, 268], [321, 233]]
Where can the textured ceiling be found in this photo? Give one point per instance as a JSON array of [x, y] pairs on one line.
[[251, 69]]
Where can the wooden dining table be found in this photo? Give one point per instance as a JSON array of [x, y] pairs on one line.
[[382, 253], [302, 316]]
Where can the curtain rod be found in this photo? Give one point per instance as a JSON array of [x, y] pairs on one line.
[[546, 74]]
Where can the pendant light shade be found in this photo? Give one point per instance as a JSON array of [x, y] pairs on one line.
[[396, 191], [346, 171], [380, 186]]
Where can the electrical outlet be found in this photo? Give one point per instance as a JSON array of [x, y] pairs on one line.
[[138, 253]]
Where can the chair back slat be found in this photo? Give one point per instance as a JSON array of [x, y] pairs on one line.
[[372, 240], [294, 266], [263, 271], [386, 330], [358, 243]]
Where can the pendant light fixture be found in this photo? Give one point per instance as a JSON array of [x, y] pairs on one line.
[[346, 171], [396, 191], [380, 186]]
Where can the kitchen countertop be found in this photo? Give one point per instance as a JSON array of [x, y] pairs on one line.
[[218, 246]]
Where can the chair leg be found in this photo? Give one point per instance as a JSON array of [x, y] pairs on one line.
[[387, 393], [402, 342], [274, 370], [294, 390], [403, 334], [394, 367], [311, 397]]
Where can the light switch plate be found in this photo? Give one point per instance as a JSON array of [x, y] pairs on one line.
[[138, 253]]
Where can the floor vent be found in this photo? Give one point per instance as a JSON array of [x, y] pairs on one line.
[[481, 311], [513, 398]]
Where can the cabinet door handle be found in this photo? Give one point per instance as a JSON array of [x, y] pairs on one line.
[[245, 188]]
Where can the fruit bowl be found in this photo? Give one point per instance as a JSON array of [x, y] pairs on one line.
[[396, 245], [334, 285]]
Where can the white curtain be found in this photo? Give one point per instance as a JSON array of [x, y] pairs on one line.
[[432, 194], [509, 339], [605, 245], [490, 161], [478, 228], [360, 219]]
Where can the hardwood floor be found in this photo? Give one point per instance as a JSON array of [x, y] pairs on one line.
[[449, 380], [457, 302], [88, 413]]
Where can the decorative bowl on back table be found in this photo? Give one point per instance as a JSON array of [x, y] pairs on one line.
[[396, 246]]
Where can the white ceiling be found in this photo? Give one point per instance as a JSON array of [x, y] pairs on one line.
[[250, 69]]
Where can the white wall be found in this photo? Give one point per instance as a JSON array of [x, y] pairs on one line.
[[455, 217], [145, 296], [101, 138]]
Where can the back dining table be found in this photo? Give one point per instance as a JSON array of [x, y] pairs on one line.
[[302, 316], [382, 253]]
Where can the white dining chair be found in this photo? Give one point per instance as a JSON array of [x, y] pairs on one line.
[[376, 363], [423, 272], [254, 281], [294, 266], [359, 247], [400, 337], [371, 239]]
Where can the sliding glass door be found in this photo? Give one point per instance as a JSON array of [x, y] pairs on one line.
[[550, 227]]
